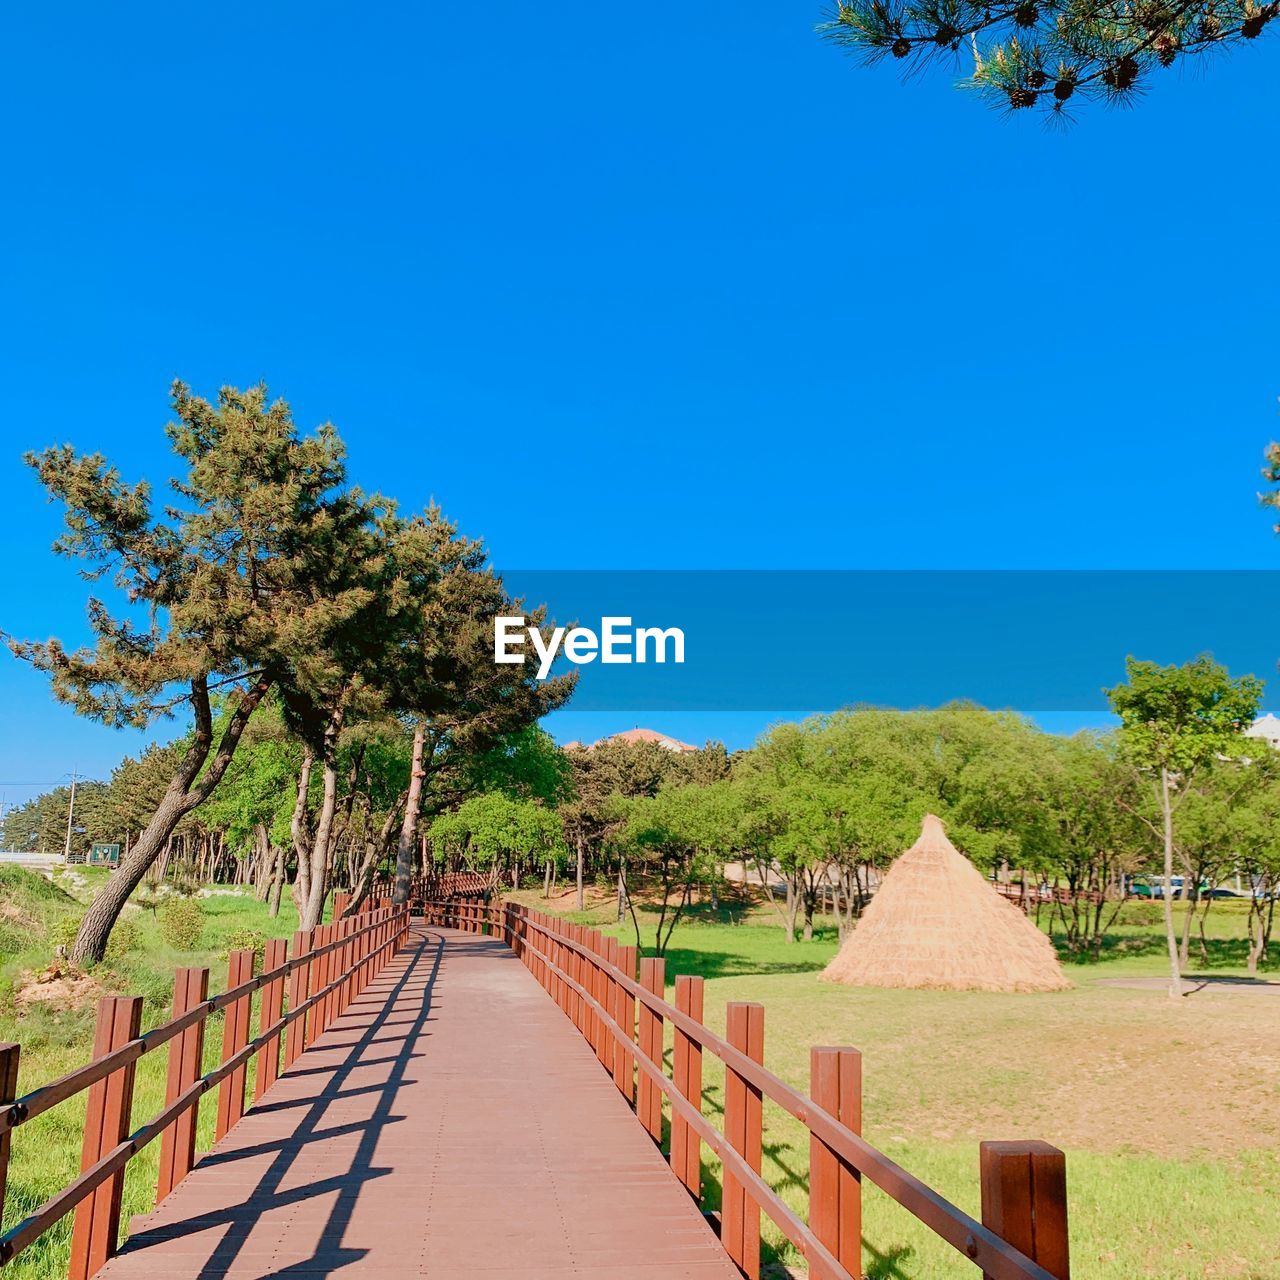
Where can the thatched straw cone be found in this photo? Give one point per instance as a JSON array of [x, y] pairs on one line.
[[935, 922]]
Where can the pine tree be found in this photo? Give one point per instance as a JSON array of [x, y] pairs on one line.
[[1047, 54], [226, 591]]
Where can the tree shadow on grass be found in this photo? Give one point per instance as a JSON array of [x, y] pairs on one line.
[[719, 964], [1219, 953]]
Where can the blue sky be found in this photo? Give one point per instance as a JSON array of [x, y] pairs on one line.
[[673, 287]]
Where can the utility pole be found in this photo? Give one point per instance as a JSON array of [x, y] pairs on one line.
[[71, 813]]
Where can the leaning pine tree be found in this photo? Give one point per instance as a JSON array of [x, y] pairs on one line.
[[222, 591], [1048, 54]]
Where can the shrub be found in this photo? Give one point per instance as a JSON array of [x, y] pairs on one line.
[[125, 937], [63, 933], [243, 939], [181, 923]]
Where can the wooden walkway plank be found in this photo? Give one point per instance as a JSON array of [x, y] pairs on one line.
[[451, 1122]]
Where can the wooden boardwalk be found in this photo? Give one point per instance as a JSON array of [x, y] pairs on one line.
[[451, 1123]]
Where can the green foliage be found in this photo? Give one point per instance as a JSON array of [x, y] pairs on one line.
[[681, 834], [259, 785], [181, 923], [125, 939], [63, 933], [491, 830], [1048, 53], [246, 938], [526, 765], [1180, 717]]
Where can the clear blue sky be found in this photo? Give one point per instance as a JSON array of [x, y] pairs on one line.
[[676, 286]]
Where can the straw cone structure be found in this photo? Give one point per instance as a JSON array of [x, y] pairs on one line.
[[935, 922]]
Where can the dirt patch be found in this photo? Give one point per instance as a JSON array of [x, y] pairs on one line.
[[58, 987]]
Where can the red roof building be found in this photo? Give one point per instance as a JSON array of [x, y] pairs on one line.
[[663, 740]]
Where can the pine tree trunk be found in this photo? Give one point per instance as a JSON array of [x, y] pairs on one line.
[[323, 840], [318, 886], [298, 833], [409, 827], [277, 882], [264, 863], [95, 929], [183, 794]]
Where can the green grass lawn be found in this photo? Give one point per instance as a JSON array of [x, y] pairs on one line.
[[1169, 1112], [46, 1153]]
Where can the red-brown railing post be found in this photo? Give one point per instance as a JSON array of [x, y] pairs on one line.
[[346, 961], [609, 998], [591, 980], [95, 1232], [1024, 1200], [186, 1061], [578, 969], [601, 993], [743, 1130], [653, 979], [235, 1035], [275, 954], [331, 959], [9, 1055], [295, 1034], [626, 1019], [686, 1057], [835, 1187], [324, 936], [560, 958], [315, 984]]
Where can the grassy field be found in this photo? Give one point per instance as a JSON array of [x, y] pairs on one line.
[[1169, 1111], [46, 1153]]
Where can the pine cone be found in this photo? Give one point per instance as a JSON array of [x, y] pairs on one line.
[[1252, 26], [1121, 75], [900, 47], [1036, 79], [1020, 98]]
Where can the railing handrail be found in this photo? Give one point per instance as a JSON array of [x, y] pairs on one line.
[[393, 922], [66, 1086], [978, 1243]]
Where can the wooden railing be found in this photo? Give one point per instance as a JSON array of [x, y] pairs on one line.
[[596, 982], [1028, 896], [445, 884], [331, 965]]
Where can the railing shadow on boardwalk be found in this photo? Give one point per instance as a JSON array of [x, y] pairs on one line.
[[266, 1193]]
